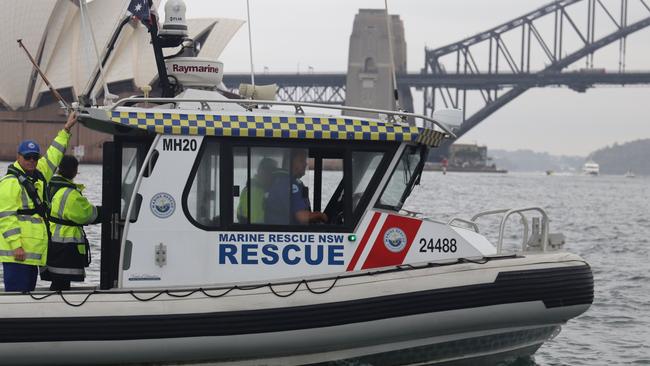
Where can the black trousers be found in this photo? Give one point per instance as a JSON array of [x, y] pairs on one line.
[[59, 285]]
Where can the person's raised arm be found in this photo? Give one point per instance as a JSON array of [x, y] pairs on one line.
[[72, 120], [50, 161]]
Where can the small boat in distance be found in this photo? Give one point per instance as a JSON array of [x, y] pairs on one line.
[[591, 168], [629, 174]]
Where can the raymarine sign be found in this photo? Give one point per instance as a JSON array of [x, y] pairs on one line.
[[197, 69], [195, 72]]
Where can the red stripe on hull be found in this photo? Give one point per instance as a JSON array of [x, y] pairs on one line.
[[364, 241]]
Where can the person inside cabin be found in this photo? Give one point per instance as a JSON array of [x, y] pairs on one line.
[[259, 186], [23, 210], [68, 251], [288, 198]]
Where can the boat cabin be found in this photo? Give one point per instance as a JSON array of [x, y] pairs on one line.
[[214, 190]]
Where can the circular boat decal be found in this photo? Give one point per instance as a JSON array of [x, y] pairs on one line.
[[395, 239], [162, 205]]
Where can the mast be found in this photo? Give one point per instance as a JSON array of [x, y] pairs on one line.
[[163, 78]]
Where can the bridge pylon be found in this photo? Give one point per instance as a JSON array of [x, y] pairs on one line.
[[369, 81]]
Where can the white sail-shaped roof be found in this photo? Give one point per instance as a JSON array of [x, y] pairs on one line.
[[67, 55], [26, 20], [74, 59], [221, 35]]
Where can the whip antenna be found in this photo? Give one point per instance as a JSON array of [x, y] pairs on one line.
[[250, 42], [390, 52], [47, 82], [85, 22]]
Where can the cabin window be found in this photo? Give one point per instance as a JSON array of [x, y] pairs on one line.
[[133, 155], [404, 177], [271, 186], [249, 184], [329, 188], [364, 167], [129, 175], [330, 173], [254, 172], [203, 196]]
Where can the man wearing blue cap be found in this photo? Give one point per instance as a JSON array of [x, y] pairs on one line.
[[23, 210]]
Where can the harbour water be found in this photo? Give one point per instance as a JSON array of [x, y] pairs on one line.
[[605, 219]]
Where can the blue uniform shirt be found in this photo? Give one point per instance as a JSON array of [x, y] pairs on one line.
[[285, 198]]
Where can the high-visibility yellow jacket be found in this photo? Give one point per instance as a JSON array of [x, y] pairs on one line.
[[69, 204], [257, 196], [27, 231], [70, 210]]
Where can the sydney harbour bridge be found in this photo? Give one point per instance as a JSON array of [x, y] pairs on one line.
[[484, 72]]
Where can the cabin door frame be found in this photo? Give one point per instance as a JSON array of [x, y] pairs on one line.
[[122, 159]]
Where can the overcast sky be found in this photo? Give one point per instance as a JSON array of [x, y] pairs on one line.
[[292, 35]]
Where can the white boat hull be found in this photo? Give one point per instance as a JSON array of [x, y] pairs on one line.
[[504, 307]]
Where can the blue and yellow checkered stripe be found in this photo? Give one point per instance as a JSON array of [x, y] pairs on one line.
[[327, 128]]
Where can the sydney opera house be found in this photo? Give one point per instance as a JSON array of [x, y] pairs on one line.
[[59, 34]]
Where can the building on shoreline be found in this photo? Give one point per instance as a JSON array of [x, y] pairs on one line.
[[467, 158]]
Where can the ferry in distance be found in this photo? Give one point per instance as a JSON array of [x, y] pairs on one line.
[[591, 168], [213, 250]]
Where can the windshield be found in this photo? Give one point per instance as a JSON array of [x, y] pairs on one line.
[[405, 176], [364, 168]]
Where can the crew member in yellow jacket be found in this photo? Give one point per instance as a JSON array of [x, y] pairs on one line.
[[23, 210], [68, 251]]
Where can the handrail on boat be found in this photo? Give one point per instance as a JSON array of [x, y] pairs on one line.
[[503, 210], [248, 103], [520, 211]]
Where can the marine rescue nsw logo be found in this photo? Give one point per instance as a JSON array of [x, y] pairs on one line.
[[395, 239], [162, 205]]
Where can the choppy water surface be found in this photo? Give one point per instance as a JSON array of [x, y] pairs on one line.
[[605, 219]]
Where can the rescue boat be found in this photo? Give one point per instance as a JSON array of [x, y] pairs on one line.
[[186, 277]]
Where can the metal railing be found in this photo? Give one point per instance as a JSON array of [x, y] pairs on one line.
[[507, 213], [396, 117]]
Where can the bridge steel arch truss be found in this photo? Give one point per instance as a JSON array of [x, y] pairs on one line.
[[328, 94], [510, 49], [323, 88]]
